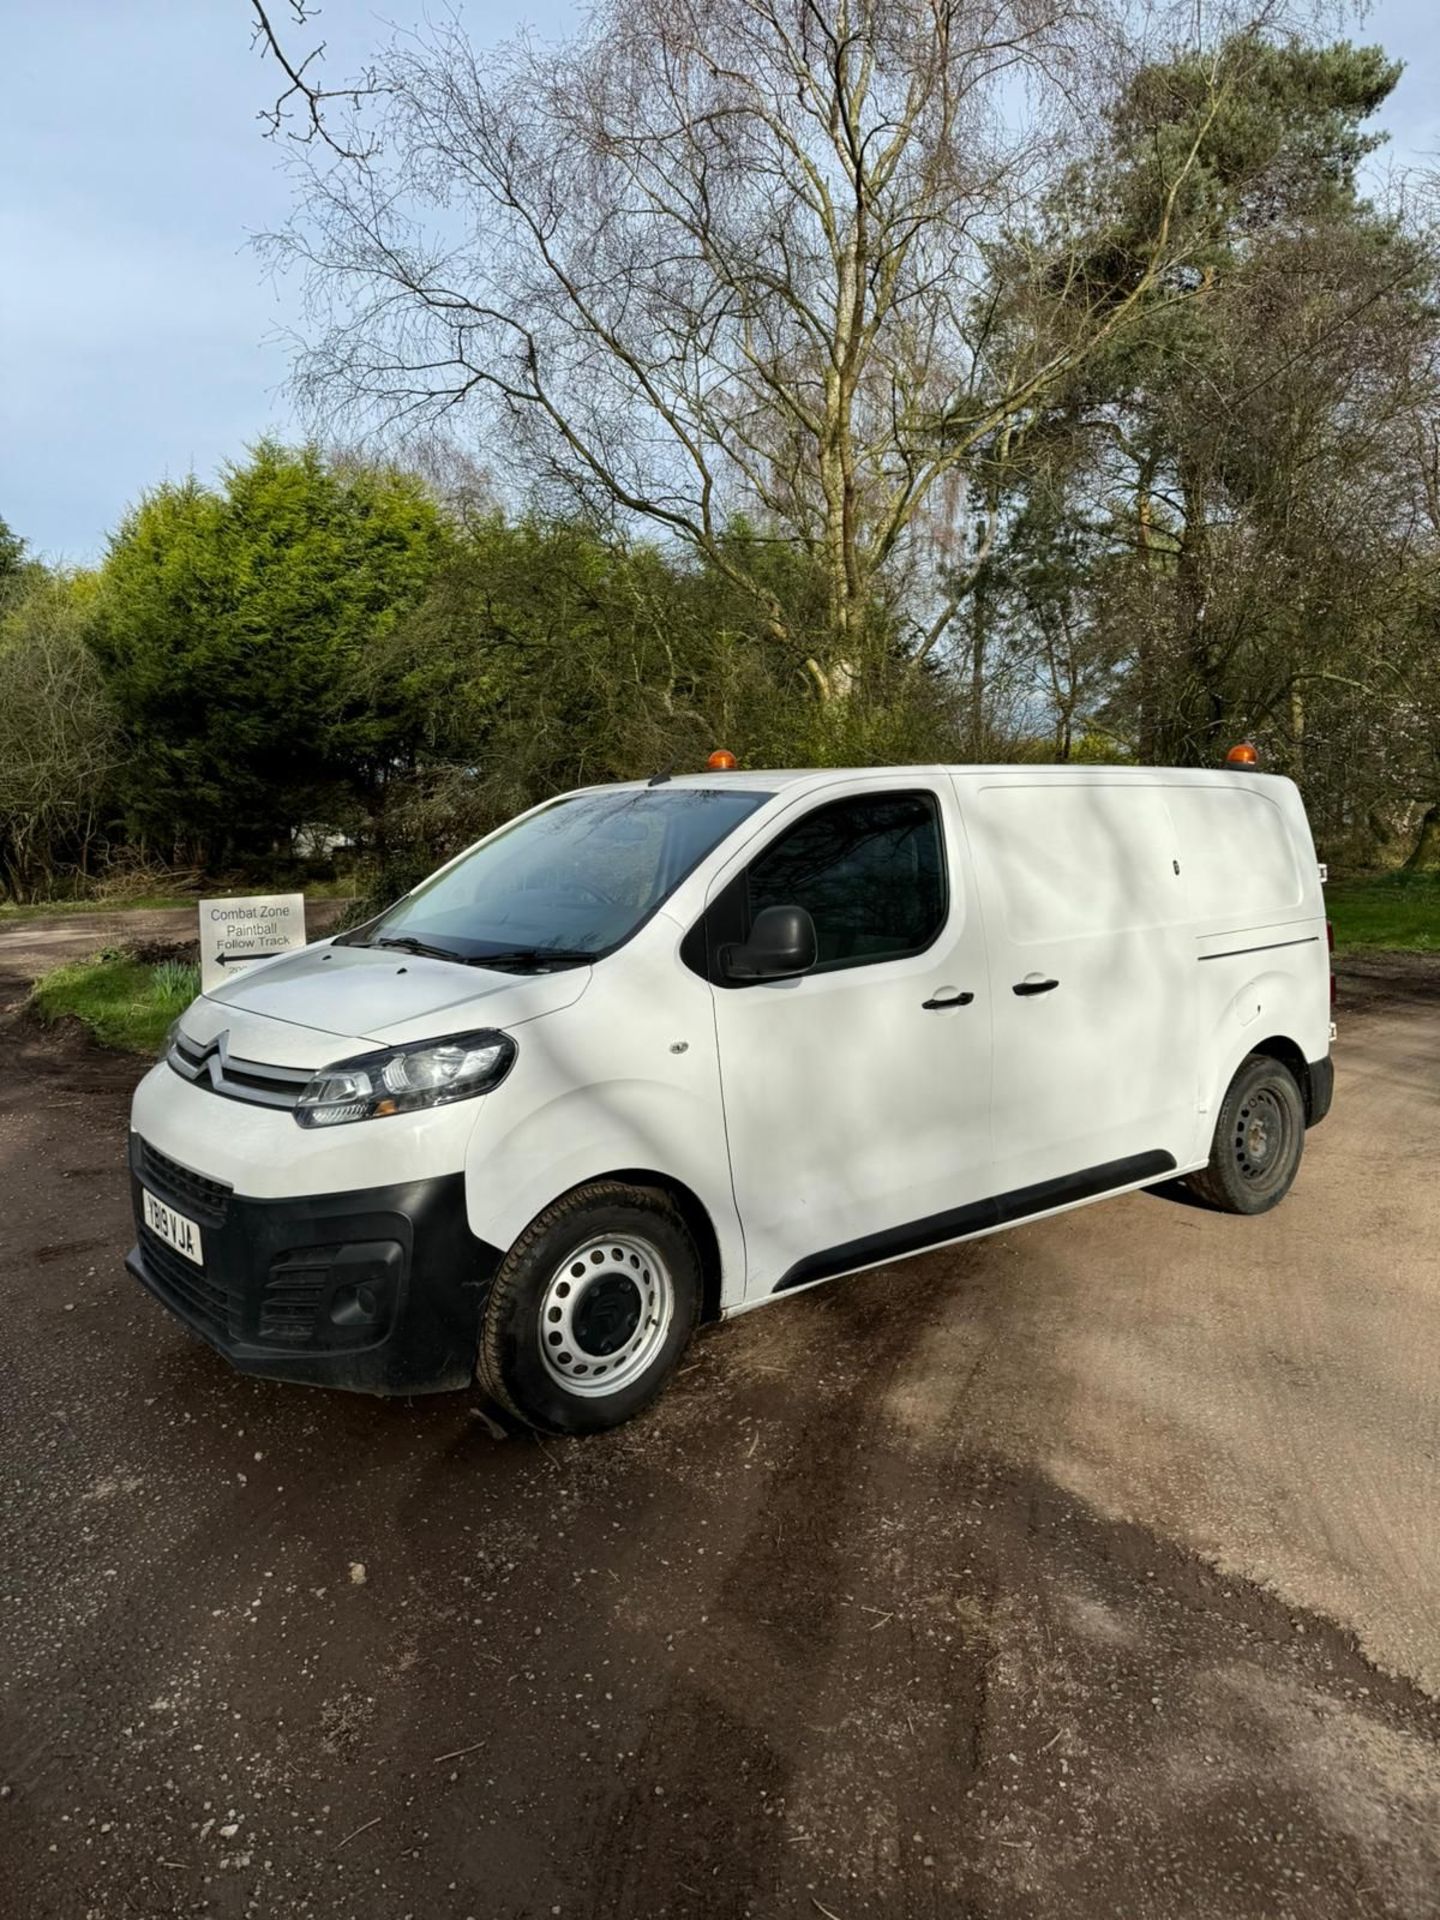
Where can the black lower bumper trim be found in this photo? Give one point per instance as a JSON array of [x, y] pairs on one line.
[[979, 1216], [1322, 1090], [377, 1291]]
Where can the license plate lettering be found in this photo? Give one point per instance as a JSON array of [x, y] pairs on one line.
[[175, 1229]]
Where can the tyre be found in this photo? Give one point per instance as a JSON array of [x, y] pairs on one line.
[[1259, 1138], [590, 1310]]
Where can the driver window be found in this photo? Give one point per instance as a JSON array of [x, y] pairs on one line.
[[870, 871]]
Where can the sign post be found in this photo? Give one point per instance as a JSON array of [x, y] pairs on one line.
[[234, 934]]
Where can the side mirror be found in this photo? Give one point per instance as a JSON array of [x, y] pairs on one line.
[[781, 943]]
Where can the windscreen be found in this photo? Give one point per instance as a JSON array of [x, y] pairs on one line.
[[567, 884]]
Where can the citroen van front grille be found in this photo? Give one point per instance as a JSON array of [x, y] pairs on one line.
[[211, 1065], [193, 1193]]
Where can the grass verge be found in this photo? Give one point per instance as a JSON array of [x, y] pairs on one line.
[[125, 1003], [143, 902], [342, 888], [1398, 910]]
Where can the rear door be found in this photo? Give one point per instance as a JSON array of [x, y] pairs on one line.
[[1094, 982], [857, 1096]]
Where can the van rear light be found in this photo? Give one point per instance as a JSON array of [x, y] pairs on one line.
[[1330, 943]]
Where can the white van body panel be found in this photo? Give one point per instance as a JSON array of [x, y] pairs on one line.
[[263, 1155], [1258, 907], [626, 1081], [382, 995], [848, 1104], [1085, 903], [1161, 924], [1198, 933]]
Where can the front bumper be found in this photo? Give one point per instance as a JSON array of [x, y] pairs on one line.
[[377, 1290]]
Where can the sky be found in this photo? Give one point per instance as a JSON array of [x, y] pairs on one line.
[[141, 337]]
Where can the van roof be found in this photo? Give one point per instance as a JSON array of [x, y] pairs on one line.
[[773, 779]]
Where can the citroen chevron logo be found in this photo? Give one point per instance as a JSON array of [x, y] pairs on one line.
[[213, 1058]]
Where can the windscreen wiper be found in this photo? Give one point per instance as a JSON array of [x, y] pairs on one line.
[[534, 957], [406, 944]]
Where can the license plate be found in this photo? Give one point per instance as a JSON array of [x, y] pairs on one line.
[[173, 1228]]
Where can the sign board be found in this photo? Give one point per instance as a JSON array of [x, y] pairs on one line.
[[234, 934]]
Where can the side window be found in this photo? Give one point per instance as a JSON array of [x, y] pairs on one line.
[[870, 872]]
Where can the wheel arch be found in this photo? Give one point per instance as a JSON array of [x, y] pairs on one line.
[[1280, 1047], [698, 1224], [1287, 1051]]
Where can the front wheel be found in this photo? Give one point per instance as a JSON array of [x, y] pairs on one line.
[[590, 1310], [1259, 1139]]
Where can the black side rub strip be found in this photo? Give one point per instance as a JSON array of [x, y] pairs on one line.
[[1231, 953], [998, 1211]]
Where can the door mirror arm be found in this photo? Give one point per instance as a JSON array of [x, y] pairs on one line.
[[781, 945]]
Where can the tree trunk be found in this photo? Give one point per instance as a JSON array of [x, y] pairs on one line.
[[1147, 740], [1297, 732], [979, 642], [1201, 729], [1427, 841]]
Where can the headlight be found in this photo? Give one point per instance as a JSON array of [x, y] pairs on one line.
[[428, 1073]]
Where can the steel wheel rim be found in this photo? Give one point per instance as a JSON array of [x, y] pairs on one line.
[[1262, 1139], [605, 1314]]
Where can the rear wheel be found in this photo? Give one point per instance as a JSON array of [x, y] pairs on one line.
[[591, 1310], [1259, 1139]]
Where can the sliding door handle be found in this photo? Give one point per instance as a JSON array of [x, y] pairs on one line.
[[1034, 983], [944, 999]]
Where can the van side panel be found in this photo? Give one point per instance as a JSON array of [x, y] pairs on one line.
[[627, 1079], [1261, 954], [1238, 853], [1165, 981], [1092, 966]]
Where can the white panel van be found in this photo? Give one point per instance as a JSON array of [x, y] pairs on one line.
[[653, 1054]]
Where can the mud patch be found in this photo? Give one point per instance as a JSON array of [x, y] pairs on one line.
[[60, 1249]]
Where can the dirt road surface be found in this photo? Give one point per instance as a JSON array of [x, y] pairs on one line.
[[1089, 1570]]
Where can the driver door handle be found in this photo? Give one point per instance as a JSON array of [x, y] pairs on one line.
[[1034, 983], [946, 998]]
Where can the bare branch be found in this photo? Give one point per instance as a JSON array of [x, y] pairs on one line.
[[302, 95]]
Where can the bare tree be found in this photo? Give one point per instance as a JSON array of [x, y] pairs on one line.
[[724, 255]]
